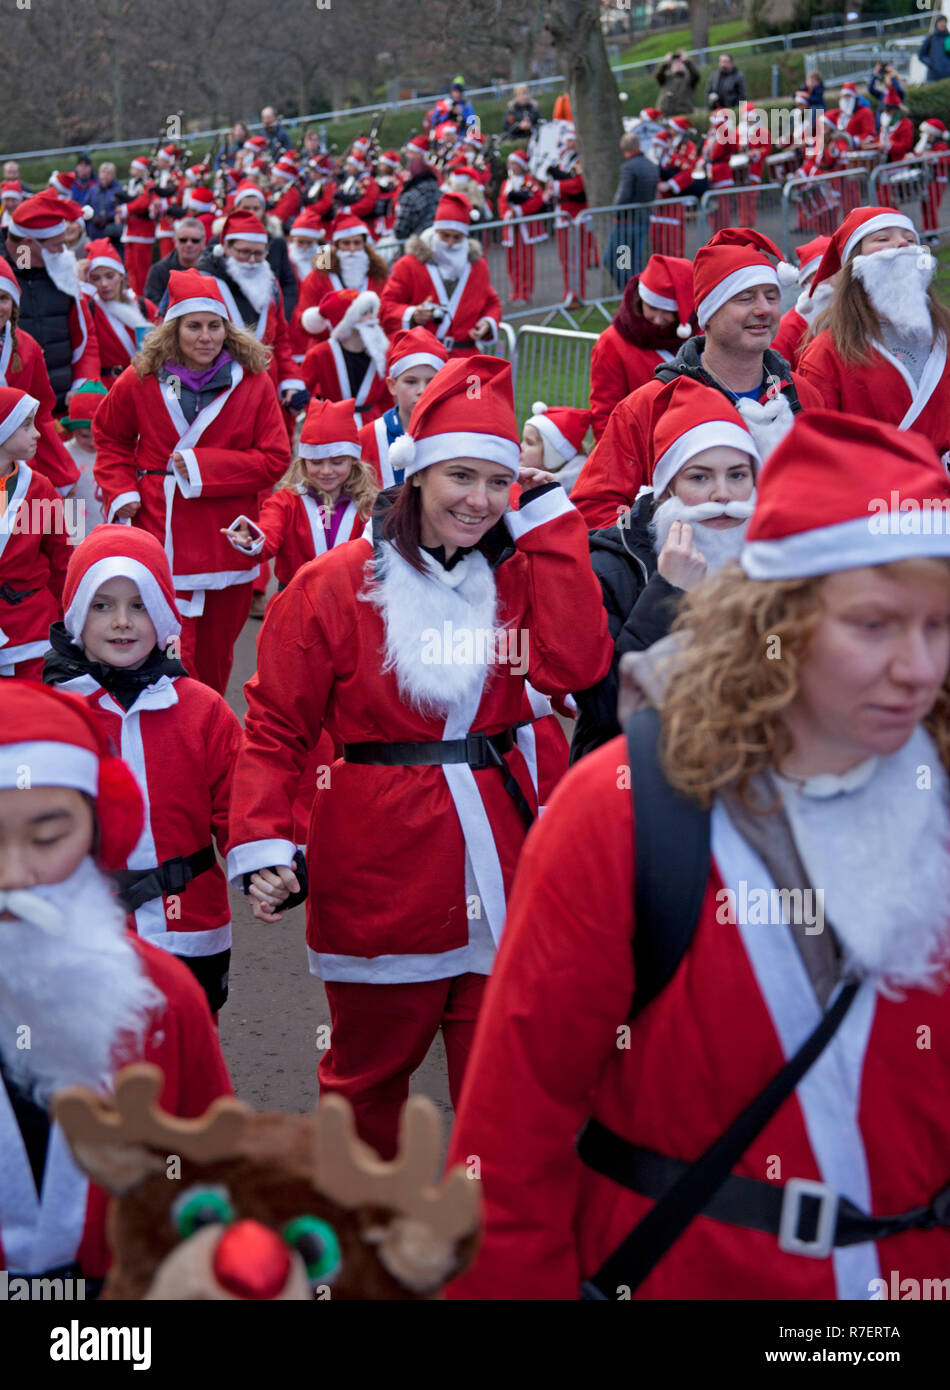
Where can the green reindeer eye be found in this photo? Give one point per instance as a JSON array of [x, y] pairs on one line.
[[201, 1206], [316, 1243]]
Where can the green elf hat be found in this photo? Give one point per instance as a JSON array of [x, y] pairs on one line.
[[86, 400]]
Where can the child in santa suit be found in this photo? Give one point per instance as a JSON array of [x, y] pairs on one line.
[[91, 996], [189, 437], [553, 439], [794, 781], [34, 542], [118, 314], [655, 316], [83, 407], [412, 361], [351, 364], [798, 322], [115, 648], [413, 845], [882, 349]]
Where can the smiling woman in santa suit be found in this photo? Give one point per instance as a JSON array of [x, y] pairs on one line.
[[882, 346], [412, 646]]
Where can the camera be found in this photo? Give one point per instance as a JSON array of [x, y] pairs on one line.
[[438, 312]]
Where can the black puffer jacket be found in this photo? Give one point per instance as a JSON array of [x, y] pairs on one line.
[[44, 314], [640, 606]]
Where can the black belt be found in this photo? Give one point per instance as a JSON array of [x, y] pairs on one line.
[[450, 344], [15, 596], [480, 751], [139, 886], [808, 1217]]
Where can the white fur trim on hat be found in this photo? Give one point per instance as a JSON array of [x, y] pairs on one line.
[[711, 434], [365, 301], [655, 301], [50, 764], [548, 430], [37, 233], [415, 359], [198, 305], [259, 237], [12, 422], [456, 444], [447, 226], [109, 567], [745, 278], [248, 193], [808, 269], [327, 451], [362, 230], [106, 263], [845, 545], [877, 224]]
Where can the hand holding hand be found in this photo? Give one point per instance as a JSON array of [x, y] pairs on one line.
[[269, 888]]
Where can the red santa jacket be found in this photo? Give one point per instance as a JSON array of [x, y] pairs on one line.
[[900, 139], [293, 531], [34, 554], [883, 389], [116, 339], [236, 447], [68, 1223], [689, 1065], [180, 738], [717, 152], [679, 169], [325, 376], [415, 278], [52, 459], [365, 205], [312, 289], [618, 367], [268, 325], [860, 124], [320, 668], [619, 464], [288, 204], [571, 200], [141, 216], [527, 231], [790, 337]]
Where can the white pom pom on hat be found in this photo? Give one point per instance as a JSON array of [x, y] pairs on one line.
[[786, 272], [402, 451], [539, 408], [312, 321]]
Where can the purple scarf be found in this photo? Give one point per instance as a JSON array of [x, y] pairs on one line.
[[331, 518], [197, 381]]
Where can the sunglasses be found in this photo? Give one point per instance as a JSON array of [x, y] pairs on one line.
[[188, 240]]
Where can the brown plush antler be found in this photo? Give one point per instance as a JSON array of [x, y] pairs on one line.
[[133, 1117], [353, 1175]]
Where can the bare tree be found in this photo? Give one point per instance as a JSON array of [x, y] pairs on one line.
[[574, 26], [699, 23]]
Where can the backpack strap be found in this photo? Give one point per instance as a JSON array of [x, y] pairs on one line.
[[671, 867]]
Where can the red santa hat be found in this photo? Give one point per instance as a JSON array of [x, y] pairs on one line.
[[446, 130], [62, 743], [417, 145], [84, 405], [848, 88], [357, 160], [241, 226], [475, 139], [453, 213], [348, 225], [308, 224], [201, 199], [62, 182], [734, 260], [190, 292], [833, 117], [449, 422], [414, 347], [46, 215], [102, 255], [932, 126], [285, 169], [11, 190], [390, 158], [666, 282], [247, 188], [9, 284], [169, 153], [329, 430], [681, 123], [520, 158], [689, 419], [139, 166], [15, 407], [127, 552], [858, 224], [257, 143], [809, 256], [339, 311], [562, 427], [651, 113], [460, 174], [844, 491]]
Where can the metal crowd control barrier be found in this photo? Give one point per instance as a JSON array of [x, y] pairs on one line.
[[553, 366], [755, 205], [916, 185], [816, 206]]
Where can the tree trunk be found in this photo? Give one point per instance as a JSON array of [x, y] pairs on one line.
[[574, 26], [699, 23]]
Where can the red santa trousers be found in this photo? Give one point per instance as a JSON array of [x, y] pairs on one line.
[[138, 261], [380, 1034], [577, 251], [207, 642], [521, 269]]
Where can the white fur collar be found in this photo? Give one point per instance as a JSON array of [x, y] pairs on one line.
[[439, 627], [768, 422]]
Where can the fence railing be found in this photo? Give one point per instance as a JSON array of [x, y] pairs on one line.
[[553, 365], [916, 186], [816, 206]]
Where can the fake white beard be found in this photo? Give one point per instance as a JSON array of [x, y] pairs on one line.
[[127, 312], [61, 269], [255, 281], [846, 106], [811, 306], [768, 422], [718, 546], [885, 876], [69, 973], [896, 281], [450, 260], [414, 606], [515, 181], [375, 342], [354, 268], [301, 258]]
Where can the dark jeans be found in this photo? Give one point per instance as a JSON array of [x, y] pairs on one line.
[[211, 972], [627, 249]]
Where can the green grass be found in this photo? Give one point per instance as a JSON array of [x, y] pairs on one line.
[[657, 45], [942, 277]]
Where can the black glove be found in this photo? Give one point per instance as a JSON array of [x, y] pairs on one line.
[[347, 198], [123, 196], [520, 195], [299, 867], [300, 400]]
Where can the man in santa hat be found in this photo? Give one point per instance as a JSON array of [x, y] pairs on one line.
[[120, 317], [51, 306], [442, 284], [857, 118], [796, 322], [814, 954], [140, 215], [737, 290], [351, 363], [22, 366], [412, 361], [419, 194], [287, 194], [247, 197], [655, 315], [679, 165], [87, 997], [34, 542], [882, 348], [689, 524], [190, 241]]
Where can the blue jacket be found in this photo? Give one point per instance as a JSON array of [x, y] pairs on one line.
[[934, 56]]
